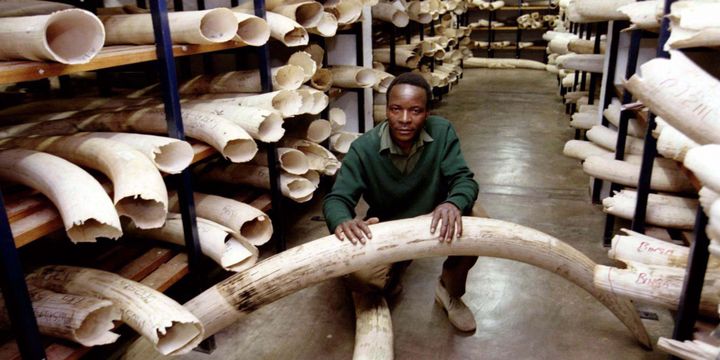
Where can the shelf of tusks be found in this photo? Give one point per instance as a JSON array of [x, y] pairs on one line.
[[84, 306], [653, 272]]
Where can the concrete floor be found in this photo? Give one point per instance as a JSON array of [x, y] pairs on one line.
[[512, 128]]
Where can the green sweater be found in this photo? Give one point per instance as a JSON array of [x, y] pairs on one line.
[[440, 175]]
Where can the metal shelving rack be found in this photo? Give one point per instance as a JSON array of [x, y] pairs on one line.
[[24, 324]]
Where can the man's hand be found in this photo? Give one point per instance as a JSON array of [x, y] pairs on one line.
[[355, 230], [451, 219]]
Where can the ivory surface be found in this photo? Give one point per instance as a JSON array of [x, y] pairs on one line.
[[221, 244], [582, 62], [340, 141], [694, 24], [393, 241], [307, 13], [86, 209], [346, 11], [286, 30], [138, 188], [261, 124], [220, 133], [291, 160], [186, 27], [704, 162], [390, 13], [14, 8], [583, 46], [71, 36], [603, 10], [252, 30], [644, 15], [305, 61], [584, 120], [373, 328], [658, 285], [682, 94], [688, 349], [169, 155], [612, 114], [287, 77], [319, 158], [353, 77], [580, 149], [475, 62], [607, 138], [327, 27], [640, 248], [662, 210], [250, 223], [171, 328], [322, 80], [383, 81], [85, 320], [673, 144], [286, 102], [309, 128], [294, 187], [625, 173], [337, 118], [403, 57]]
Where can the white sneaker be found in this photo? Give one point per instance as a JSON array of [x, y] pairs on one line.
[[458, 313]]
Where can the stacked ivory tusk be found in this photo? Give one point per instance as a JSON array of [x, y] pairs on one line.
[[373, 327], [693, 25], [171, 329], [271, 279], [291, 160], [70, 36], [221, 244], [664, 178], [85, 320], [662, 210], [250, 223]]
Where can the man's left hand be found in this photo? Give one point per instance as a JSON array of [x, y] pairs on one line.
[[451, 218]]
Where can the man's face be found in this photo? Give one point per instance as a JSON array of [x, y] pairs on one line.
[[406, 112]]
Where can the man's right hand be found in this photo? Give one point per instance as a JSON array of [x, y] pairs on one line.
[[355, 230]]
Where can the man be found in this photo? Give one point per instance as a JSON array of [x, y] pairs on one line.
[[407, 166]]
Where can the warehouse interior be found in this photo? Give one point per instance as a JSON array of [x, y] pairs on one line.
[[185, 179]]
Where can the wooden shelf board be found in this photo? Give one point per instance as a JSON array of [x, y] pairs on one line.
[[33, 216], [110, 56]]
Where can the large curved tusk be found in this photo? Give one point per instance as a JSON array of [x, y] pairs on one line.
[[683, 94], [252, 224], [390, 13], [169, 155], [307, 13], [353, 77], [85, 320], [325, 258], [291, 160], [86, 209], [217, 242], [294, 187], [319, 158], [71, 36], [373, 327], [252, 30], [169, 326], [662, 210], [703, 162], [327, 27], [491, 63], [659, 285], [286, 30], [581, 62], [261, 124], [403, 57], [186, 27], [138, 188]]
